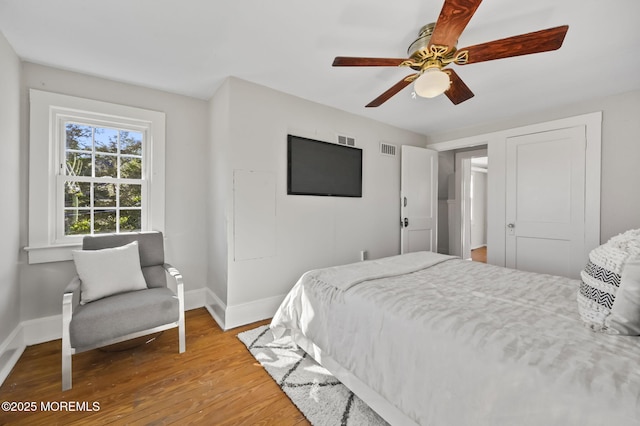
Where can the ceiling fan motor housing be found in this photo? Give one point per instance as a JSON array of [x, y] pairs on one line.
[[422, 42]]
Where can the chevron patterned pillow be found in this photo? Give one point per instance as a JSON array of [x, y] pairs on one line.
[[602, 276]]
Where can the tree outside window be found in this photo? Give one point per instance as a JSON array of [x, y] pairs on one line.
[[103, 185]]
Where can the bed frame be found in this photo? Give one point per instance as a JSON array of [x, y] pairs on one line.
[[374, 400]]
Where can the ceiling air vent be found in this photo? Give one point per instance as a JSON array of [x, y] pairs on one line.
[[387, 149], [346, 140]]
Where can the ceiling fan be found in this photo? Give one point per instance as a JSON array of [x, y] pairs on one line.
[[436, 48]]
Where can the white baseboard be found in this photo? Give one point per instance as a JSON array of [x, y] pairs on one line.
[[42, 330], [216, 307], [10, 351], [257, 310], [233, 316], [194, 299]]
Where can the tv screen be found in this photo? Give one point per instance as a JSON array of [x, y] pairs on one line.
[[322, 168]]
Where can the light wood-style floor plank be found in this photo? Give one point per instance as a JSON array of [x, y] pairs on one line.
[[215, 382], [479, 254]]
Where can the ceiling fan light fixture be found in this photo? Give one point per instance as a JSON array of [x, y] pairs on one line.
[[431, 83]]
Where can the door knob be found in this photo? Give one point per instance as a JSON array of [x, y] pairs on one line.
[[511, 225], [406, 222]]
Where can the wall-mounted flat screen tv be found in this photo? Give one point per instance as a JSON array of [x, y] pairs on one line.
[[322, 168]]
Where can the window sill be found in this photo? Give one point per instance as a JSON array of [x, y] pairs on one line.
[[46, 254]]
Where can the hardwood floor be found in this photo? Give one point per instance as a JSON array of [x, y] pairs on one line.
[[215, 382], [479, 254]]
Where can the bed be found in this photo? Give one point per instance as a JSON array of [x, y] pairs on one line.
[[431, 339]]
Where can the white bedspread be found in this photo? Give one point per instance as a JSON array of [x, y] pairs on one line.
[[462, 343]]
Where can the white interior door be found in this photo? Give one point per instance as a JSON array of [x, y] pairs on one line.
[[545, 202], [419, 199]]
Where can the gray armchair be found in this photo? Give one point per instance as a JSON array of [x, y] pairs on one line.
[[126, 315]]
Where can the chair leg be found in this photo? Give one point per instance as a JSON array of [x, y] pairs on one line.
[[66, 368], [67, 351], [181, 334]]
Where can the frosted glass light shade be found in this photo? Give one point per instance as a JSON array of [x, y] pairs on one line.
[[431, 83]]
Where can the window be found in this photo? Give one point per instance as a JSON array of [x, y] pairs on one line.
[[95, 168], [101, 182]]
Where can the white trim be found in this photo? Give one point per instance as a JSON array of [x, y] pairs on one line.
[[257, 310], [10, 351], [194, 299], [216, 307], [496, 190], [40, 330], [48, 253], [463, 170], [233, 316], [46, 111]]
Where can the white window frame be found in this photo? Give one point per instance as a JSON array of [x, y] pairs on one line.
[[48, 114]]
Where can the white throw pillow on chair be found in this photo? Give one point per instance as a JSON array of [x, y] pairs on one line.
[[108, 271]]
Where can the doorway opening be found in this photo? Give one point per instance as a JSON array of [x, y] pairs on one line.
[[475, 201], [466, 173]]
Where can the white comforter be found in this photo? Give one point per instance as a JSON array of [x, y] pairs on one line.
[[455, 342]]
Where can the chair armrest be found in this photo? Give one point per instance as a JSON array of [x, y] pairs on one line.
[[177, 276], [173, 272], [67, 312], [70, 291]]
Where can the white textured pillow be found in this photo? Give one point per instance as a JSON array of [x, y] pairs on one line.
[[603, 277], [108, 271], [625, 312]]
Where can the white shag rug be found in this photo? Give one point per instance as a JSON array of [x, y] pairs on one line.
[[322, 399]]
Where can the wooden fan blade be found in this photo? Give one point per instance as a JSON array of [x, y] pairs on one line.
[[524, 44], [454, 17], [346, 61], [458, 91], [389, 93]]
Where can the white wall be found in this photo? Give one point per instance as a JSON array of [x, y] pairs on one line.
[[186, 141], [10, 189], [311, 232], [620, 206]]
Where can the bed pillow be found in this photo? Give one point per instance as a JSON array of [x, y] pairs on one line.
[[602, 278], [625, 312], [108, 271]]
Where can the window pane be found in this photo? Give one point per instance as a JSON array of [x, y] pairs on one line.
[[104, 221], [106, 140], [77, 222], [79, 137], [106, 165], [78, 164], [130, 142], [104, 195], [130, 195], [130, 168], [130, 220], [77, 194]]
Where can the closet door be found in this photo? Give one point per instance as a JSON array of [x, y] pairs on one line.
[[545, 202]]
